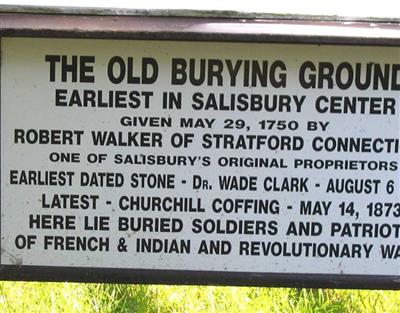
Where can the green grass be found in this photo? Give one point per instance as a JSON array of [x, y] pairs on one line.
[[23, 297]]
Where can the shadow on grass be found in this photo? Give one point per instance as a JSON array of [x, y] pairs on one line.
[[111, 298]]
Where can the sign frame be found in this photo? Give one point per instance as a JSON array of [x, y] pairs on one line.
[[271, 29]]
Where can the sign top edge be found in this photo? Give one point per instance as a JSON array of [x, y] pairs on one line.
[[231, 14]]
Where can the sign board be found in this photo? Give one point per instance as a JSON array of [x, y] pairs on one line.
[[200, 162]]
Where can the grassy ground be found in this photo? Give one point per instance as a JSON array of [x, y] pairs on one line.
[[22, 297]]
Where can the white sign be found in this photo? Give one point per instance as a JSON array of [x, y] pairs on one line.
[[227, 157]]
